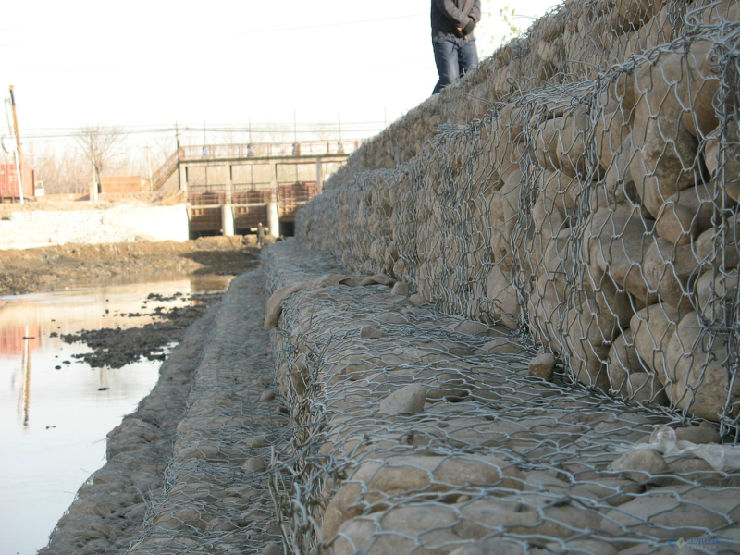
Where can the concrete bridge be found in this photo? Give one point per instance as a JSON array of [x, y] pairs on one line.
[[232, 187]]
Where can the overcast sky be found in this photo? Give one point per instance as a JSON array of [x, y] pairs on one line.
[[154, 62]]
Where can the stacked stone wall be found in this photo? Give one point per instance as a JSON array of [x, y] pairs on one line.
[[576, 41], [416, 432], [590, 206]]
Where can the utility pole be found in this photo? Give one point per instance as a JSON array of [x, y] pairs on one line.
[[19, 151], [94, 186], [149, 167], [296, 146], [179, 159]]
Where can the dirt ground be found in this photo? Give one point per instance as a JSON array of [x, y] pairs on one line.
[[55, 268]]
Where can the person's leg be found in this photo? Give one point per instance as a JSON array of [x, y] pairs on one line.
[[446, 57], [468, 56]]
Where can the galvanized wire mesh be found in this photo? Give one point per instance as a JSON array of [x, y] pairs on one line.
[[598, 216], [593, 213], [214, 497], [416, 432]]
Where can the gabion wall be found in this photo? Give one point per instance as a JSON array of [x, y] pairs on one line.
[[597, 214], [576, 41], [419, 433]]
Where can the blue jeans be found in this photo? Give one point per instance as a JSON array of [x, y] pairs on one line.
[[454, 57]]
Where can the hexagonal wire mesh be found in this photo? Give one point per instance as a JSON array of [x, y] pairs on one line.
[[597, 218]]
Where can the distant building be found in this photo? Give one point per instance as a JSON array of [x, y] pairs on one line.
[[9, 192]]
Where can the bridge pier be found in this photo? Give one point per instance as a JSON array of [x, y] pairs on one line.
[[273, 221], [227, 185], [319, 176], [227, 220]]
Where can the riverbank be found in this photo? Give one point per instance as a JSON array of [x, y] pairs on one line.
[[70, 265], [175, 479]]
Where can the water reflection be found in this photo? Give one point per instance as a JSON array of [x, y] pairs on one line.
[[27, 374], [55, 410]]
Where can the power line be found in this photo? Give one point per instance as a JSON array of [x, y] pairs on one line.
[[335, 24], [325, 127]]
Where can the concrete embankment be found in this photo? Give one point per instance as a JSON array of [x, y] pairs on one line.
[[396, 429], [42, 225]]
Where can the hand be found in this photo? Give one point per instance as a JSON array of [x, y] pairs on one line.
[[469, 26]]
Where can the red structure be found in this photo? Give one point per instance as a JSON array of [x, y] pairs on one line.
[[12, 340], [9, 182], [292, 196], [124, 184]]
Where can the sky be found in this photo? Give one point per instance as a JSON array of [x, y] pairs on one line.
[[152, 63]]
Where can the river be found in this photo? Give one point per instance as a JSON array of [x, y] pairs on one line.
[[55, 410]]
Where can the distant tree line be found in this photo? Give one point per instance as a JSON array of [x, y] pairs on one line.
[[69, 164]]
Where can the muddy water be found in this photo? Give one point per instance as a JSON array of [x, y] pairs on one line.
[[56, 410]]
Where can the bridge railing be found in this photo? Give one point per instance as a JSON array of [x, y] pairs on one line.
[[248, 150], [191, 153], [163, 173]]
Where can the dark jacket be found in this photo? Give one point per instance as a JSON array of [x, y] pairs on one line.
[[448, 15]]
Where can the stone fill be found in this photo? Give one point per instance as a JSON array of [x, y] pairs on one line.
[[581, 187], [216, 498], [428, 440], [430, 437]]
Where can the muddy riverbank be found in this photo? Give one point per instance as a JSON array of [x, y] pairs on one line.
[[185, 472], [115, 347], [71, 265]]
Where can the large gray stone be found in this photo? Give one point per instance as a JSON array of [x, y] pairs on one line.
[[274, 305], [640, 465], [407, 400], [503, 298], [673, 512], [541, 366], [697, 370]]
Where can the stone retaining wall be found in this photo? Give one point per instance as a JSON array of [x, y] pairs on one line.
[[415, 432], [576, 41], [593, 209]]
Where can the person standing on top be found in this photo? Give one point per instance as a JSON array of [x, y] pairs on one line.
[[453, 22]]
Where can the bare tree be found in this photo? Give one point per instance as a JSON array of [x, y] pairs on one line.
[[62, 170], [100, 145]]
